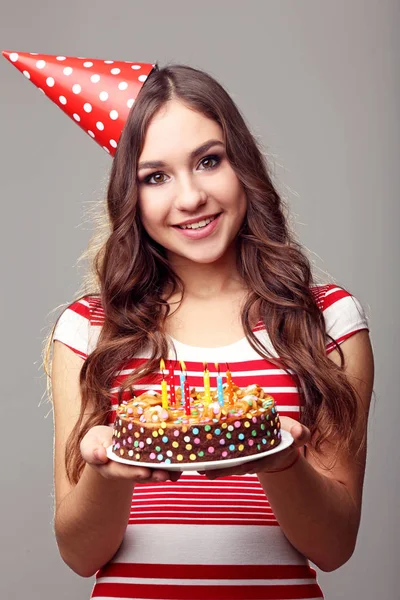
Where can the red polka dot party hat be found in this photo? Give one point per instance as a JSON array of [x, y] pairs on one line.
[[96, 94]]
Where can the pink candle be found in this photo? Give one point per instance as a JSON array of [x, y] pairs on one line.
[[186, 391], [171, 385]]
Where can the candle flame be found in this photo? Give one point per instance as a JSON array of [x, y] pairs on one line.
[[227, 367], [183, 366], [205, 365], [217, 367], [162, 364]]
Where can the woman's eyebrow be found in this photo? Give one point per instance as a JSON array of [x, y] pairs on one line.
[[156, 164]]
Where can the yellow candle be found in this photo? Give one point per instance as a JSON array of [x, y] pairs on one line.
[[164, 392], [207, 391], [230, 385]]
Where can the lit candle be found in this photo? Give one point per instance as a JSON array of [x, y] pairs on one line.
[[164, 393], [182, 380], [230, 385], [172, 385], [207, 392], [220, 389], [186, 391]]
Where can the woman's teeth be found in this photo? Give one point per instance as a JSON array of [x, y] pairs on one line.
[[197, 225]]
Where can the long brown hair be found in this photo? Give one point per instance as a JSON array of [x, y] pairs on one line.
[[133, 274]]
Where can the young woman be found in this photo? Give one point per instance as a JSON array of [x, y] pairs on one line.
[[198, 264]]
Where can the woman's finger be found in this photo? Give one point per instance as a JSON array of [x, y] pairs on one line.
[[300, 433]]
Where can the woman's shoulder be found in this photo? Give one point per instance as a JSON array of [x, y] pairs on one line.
[[87, 307], [79, 324], [343, 313], [326, 294]]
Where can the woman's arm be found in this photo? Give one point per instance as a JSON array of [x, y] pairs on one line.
[[90, 517], [319, 510]]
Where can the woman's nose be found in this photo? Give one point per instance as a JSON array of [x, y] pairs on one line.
[[190, 195]]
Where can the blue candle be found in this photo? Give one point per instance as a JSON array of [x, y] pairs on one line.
[[220, 389], [182, 381]]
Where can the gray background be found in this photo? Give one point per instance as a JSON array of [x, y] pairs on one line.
[[319, 83]]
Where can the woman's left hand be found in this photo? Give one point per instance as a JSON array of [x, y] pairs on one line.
[[279, 460]]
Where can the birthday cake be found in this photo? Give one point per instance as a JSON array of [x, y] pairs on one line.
[[230, 423]]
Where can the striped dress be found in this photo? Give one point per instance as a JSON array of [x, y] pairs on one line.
[[197, 539]]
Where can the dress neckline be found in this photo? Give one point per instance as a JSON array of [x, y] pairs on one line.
[[213, 348]]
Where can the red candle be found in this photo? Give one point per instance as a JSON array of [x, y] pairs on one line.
[[171, 381]]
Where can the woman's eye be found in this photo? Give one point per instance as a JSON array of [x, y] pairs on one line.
[[204, 161], [208, 159], [147, 180]]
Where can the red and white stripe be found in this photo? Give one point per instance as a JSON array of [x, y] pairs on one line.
[[197, 539]]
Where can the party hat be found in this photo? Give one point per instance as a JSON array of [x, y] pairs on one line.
[[96, 94]]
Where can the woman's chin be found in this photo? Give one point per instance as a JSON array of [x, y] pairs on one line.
[[200, 257]]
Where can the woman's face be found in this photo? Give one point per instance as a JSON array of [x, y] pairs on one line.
[[189, 185]]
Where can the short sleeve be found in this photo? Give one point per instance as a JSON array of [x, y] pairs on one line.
[[343, 314], [73, 327]]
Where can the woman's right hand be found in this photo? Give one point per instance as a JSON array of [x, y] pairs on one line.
[[93, 449]]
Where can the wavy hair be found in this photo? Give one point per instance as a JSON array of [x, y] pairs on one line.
[[135, 280]]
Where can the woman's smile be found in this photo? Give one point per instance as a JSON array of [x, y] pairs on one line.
[[199, 229]]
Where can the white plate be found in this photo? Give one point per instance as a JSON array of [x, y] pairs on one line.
[[286, 441]]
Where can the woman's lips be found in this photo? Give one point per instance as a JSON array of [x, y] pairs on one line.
[[201, 232]]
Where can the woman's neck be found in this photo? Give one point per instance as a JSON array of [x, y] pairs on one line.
[[208, 280]]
